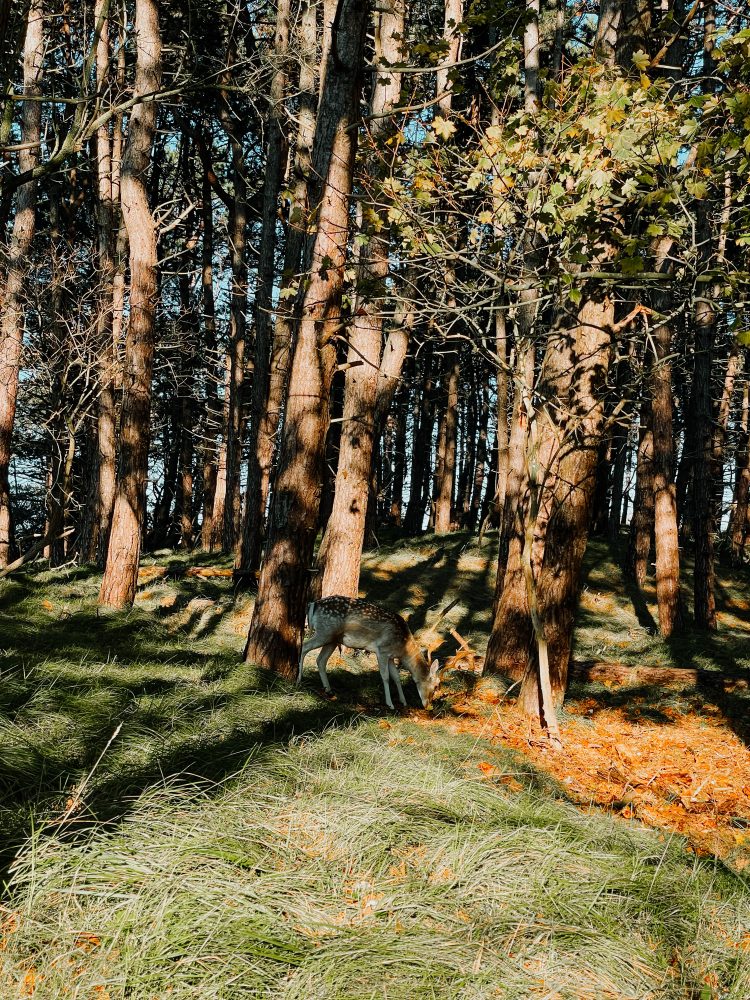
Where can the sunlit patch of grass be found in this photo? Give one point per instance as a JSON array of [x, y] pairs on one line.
[[188, 826], [369, 862]]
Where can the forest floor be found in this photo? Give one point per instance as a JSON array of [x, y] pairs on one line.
[[176, 824]]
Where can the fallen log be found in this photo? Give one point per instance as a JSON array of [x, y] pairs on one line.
[[620, 673]]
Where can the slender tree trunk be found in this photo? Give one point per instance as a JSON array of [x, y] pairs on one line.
[[211, 395], [666, 535], [445, 475], [703, 487], [341, 549], [277, 624], [422, 425], [106, 404], [237, 334], [720, 427], [121, 570], [741, 499], [17, 266], [480, 469], [262, 426], [270, 420], [642, 524]]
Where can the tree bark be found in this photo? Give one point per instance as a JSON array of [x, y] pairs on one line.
[[270, 419], [276, 628], [106, 403], [666, 535], [262, 426], [340, 552], [570, 475], [24, 223], [738, 523], [642, 524], [445, 466], [121, 570], [703, 487]]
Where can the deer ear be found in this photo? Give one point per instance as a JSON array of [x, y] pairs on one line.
[[434, 667]]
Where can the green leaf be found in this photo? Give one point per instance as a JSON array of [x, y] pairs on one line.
[[631, 265], [641, 60]]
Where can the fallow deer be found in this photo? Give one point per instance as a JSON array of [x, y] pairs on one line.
[[346, 621]]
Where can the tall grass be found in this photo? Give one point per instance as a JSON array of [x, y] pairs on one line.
[[241, 839], [363, 862]]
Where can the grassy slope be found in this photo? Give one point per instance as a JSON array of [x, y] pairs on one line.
[[239, 839]]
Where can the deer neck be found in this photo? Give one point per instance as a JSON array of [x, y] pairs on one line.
[[413, 660]]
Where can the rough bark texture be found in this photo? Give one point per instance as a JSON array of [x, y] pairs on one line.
[[106, 405], [341, 549], [123, 553], [270, 418], [445, 471], [738, 523], [642, 524], [237, 334], [569, 433], [666, 535], [12, 318], [276, 628], [211, 396], [422, 424], [703, 487], [570, 477], [262, 426]]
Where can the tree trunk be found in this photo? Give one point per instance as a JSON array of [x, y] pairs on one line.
[[562, 529], [703, 487], [106, 403], [237, 333], [422, 425], [341, 549], [211, 395], [642, 524], [445, 474], [270, 419], [12, 300], [262, 426], [121, 571], [666, 535], [276, 628], [739, 520]]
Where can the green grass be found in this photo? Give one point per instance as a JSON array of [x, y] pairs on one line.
[[179, 825]]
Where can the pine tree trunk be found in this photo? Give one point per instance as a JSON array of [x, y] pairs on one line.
[[422, 425], [703, 487], [123, 554], [211, 395], [237, 333], [12, 299], [741, 498], [106, 402], [666, 535], [341, 548], [262, 426], [562, 529], [445, 473], [275, 633], [480, 469], [642, 524], [270, 419]]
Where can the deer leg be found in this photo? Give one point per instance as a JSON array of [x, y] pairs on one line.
[[383, 665], [307, 645], [323, 657], [396, 678]]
